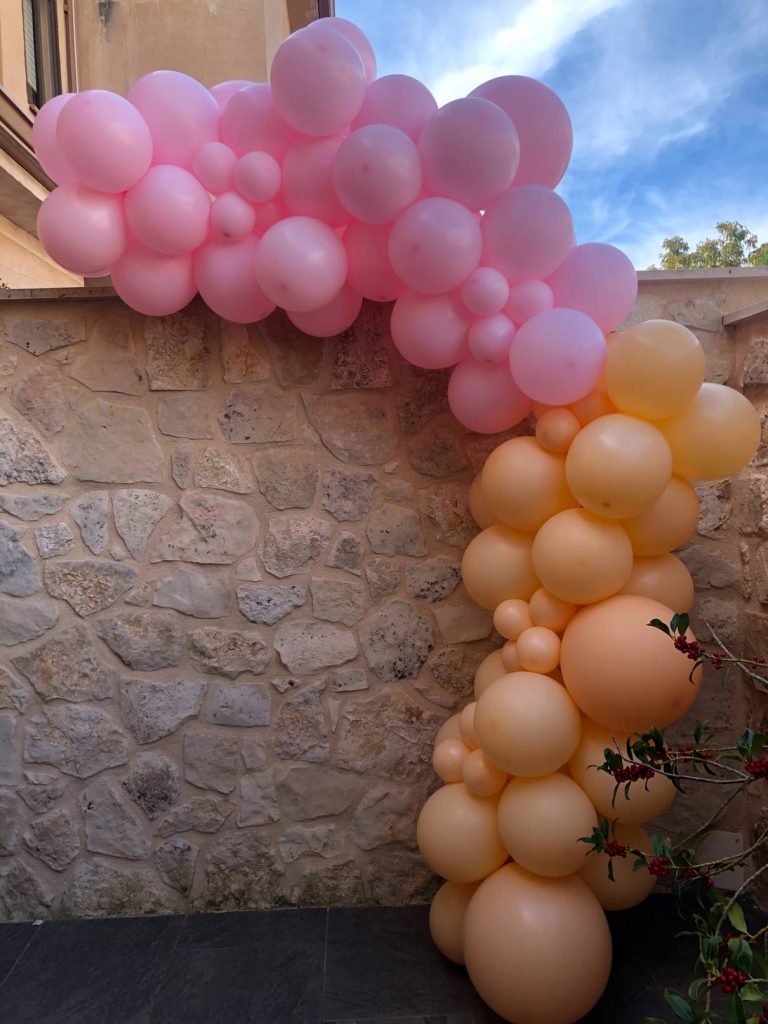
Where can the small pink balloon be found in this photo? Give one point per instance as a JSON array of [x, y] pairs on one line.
[[397, 100], [543, 126], [154, 284], [357, 37], [318, 81], [377, 173], [308, 181], [214, 166], [258, 177], [598, 280], [527, 299], [267, 214], [224, 91], [226, 278], [232, 218], [301, 264], [435, 245], [430, 330], [370, 273], [557, 356], [470, 152], [169, 210], [82, 230], [484, 397], [105, 140], [491, 337], [181, 114], [251, 121], [485, 292], [47, 149], [336, 316], [527, 232]]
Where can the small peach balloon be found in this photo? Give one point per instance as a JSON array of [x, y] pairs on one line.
[[548, 610], [448, 758], [446, 918], [628, 887], [511, 618], [509, 658], [449, 730], [666, 523], [556, 430], [481, 776], [458, 835], [497, 565], [478, 505], [489, 670], [538, 649], [467, 725], [539, 408], [595, 404], [524, 484], [663, 578]]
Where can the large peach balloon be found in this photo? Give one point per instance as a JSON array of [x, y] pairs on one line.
[[618, 466], [538, 649], [488, 671], [511, 618], [628, 887], [527, 724], [517, 925], [448, 758], [524, 484], [449, 730], [541, 822], [581, 558], [663, 578], [669, 521], [497, 565], [458, 835], [714, 435], [548, 610], [622, 672], [478, 504], [446, 918], [647, 799]]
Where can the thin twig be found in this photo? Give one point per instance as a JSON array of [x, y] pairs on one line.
[[753, 675], [712, 819], [738, 893]]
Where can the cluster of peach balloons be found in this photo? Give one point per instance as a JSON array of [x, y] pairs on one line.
[[574, 558]]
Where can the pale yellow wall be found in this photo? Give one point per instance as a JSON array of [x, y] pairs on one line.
[[25, 264], [13, 76]]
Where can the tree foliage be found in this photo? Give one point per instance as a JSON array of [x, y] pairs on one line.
[[733, 246]]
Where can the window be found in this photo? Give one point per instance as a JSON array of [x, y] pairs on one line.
[[41, 50]]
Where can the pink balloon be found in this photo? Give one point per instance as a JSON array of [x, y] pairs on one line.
[[308, 182], [527, 232], [251, 121], [258, 177], [543, 125], [301, 264], [377, 173], [47, 149], [154, 284], [527, 299], [470, 152], [430, 330], [598, 280], [181, 114], [333, 318], [224, 91], [213, 166], [267, 214], [485, 291], [357, 37], [435, 245], [105, 140], [318, 81], [557, 356], [232, 218], [169, 210], [82, 230], [370, 273], [485, 398], [397, 100], [226, 277], [490, 338]]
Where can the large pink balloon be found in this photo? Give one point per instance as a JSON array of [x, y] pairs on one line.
[[226, 278], [224, 91], [318, 81], [470, 152], [598, 280], [527, 232], [181, 114], [232, 217], [543, 125], [397, 100], [527, 299], [557, 356], [258, 177], [430, 331], [485, 398], [357, 37], [47, 149], [301, 264], [435, 245], [308, 180], [377, 173], [154, 284], [214, 167], [169, 210], [82, 230], [251, 121], [333, 318], [370, 273]]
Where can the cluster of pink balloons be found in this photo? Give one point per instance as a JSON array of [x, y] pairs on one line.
[[327, 186]]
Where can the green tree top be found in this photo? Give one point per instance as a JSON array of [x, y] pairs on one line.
[[733, 246]]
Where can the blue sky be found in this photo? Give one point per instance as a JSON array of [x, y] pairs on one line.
[[669, 99]]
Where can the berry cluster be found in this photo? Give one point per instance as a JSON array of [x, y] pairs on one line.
[[730, 980], [614, 849], [690, 751], [633, 772], [691, 648], [757, 767], [659, 867]]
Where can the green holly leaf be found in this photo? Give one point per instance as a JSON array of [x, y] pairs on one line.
[[734, 1009], [679, 1005], [658, 624], [736, 917]]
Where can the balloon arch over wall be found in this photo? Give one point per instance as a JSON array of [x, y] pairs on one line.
[[328, 186]]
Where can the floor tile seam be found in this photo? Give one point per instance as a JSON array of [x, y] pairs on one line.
[[16, 962], [325, 961]]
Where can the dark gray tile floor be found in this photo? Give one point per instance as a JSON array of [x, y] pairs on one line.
[[369, 965]]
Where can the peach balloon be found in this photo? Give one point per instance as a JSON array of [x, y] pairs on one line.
[[509, 658], [448, 759], [628, 887], [497, 565], [524, 484], [538, 649], [449, 730], [646, 800], [467, 725], [527, 724], [515, 925], [663, 578], [620, 671], [548, 610], [458, 835], [669, 521], [556, 429], [446, 918], [511, 618], [581, 558], [618, 466], [488, 671], [541, 822], [481, 776], [595, 404], [479, 506]]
